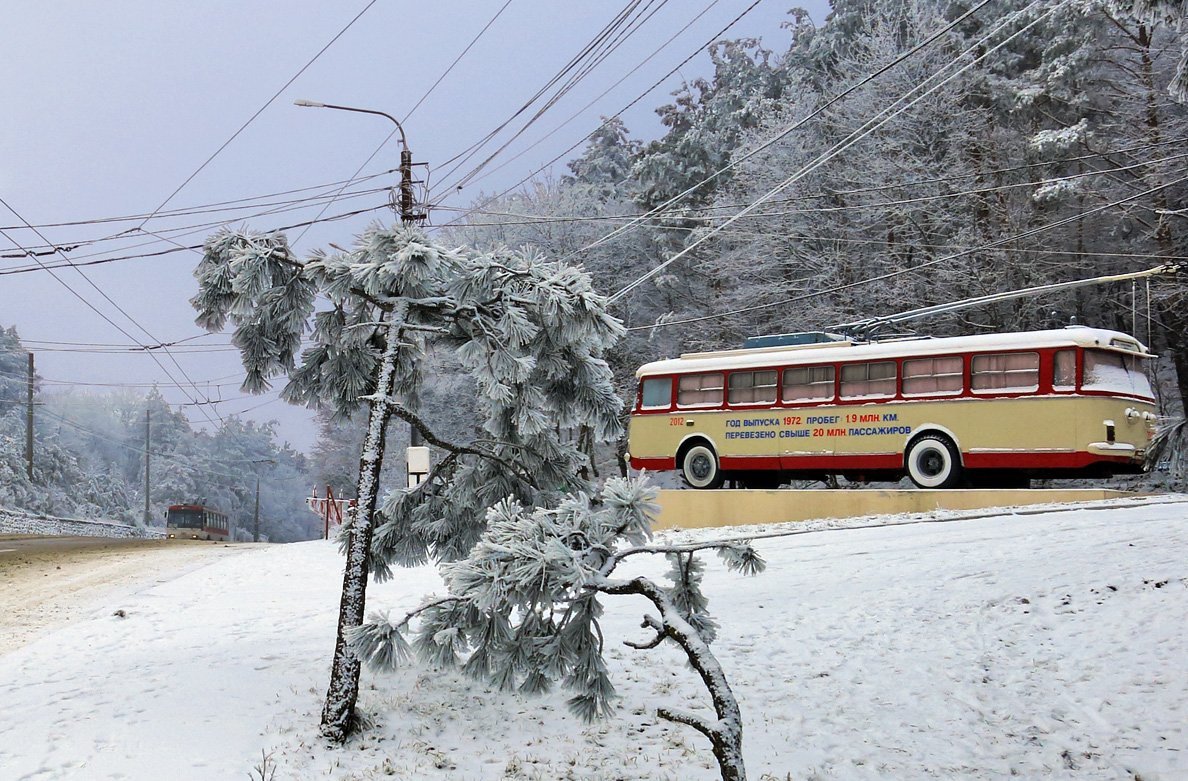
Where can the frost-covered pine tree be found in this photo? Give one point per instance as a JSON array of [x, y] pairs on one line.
[[523, 608], [531, 333]]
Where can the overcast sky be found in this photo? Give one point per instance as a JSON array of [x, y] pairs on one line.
[[110, 107]]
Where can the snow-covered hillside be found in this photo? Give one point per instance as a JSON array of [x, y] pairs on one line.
[[1021, 646]]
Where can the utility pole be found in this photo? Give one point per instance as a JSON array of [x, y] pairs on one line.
[[29, 422], [147, 515], [256, 515]]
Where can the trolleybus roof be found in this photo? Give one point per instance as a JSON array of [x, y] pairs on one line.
[[826, 352]]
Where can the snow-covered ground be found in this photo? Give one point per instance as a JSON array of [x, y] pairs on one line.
[[1048, 645]]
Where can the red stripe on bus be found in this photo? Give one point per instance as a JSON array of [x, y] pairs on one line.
[[1037, 460], [654, 464]]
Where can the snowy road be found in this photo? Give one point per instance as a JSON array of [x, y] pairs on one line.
[[46, 582]]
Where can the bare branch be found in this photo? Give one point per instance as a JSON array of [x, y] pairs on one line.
[[688, 719], [649, 622]]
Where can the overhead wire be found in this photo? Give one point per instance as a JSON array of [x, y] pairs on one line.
[[696, 213], [568, 76], [188, 463], [258, 112], [95, 309], [216, 206], [884, 116], [618, 113], [691, 212], [132, 234], [928, 264], [607, 91], [601, 56], [411, 111], [784, 132], [77, 263]]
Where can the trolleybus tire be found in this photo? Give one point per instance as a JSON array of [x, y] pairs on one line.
[[700, 468], [933, 461]]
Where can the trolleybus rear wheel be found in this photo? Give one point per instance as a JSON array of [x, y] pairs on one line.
[[933, 461], [700, 469]]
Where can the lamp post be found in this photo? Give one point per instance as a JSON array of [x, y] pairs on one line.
[[407, 215]]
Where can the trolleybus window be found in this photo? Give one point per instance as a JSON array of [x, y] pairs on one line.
[[700, 390], [1064, 373], [808, 383], [868, 380], [1005, 372], [1117, 372], [657, 393], [753, 387], [933, 376], [185, 519]]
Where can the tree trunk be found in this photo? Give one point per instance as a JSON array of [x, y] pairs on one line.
[[339, 711]]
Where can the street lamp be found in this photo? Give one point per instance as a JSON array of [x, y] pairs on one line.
[[406, 190], [407, 216]]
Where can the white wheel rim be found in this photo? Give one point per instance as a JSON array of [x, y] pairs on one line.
[[700, 467], [930, 464]]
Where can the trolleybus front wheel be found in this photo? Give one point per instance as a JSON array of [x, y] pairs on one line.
[[700, 469], [933, 461]]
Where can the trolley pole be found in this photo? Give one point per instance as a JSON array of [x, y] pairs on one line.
[[29, 422]]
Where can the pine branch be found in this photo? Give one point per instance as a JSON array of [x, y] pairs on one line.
[[617, 558], [458, 450]]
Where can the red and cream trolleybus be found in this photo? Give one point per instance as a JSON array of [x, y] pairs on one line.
[[995, 409]]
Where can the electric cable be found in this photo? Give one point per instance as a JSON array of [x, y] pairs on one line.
[[76, 263], [621, 111], [927, 264], [607, 91], [392, 134], [259, 111], [570, 70], [91, 306], [866, 129]]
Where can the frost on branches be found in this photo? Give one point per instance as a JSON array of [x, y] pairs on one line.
[[532, 333], [523, 607]]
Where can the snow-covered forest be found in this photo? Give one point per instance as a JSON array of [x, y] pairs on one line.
[[89, 454]]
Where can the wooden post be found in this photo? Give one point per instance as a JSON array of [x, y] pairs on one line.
[[29, 423]]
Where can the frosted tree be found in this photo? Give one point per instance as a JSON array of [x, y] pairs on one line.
[[707, 121], [531, 333], [523, 608], [13, 371]]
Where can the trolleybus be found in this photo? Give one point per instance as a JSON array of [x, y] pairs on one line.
[[994, 410], [196, 522]]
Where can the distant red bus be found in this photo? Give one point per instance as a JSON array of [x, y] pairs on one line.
[[196, 522]]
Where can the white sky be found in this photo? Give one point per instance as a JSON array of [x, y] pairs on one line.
[[110, 107]]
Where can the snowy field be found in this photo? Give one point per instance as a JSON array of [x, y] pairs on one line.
[[1029, 646]]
